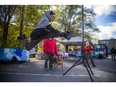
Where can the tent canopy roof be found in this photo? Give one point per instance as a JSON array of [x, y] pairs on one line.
[[74, 41]]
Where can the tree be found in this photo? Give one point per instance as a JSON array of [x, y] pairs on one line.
[[6, 13], [70, 17], [90, 26]]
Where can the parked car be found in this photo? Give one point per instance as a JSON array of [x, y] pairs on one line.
[[32, 52]]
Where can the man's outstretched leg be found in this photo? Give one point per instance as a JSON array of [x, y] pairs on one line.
[[41, 35]]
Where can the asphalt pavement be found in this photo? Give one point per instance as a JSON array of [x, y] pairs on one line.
[[33, 71]]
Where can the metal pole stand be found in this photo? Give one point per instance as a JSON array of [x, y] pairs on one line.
[[86, 65]]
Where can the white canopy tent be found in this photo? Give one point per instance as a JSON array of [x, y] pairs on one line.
[[74, 41]]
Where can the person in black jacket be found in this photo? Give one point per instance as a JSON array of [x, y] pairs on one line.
[[44, 30], [113, 53]]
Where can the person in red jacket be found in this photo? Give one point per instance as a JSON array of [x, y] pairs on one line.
[[88, 51], [50, 49]]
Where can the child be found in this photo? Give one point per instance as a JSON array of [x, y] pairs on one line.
[[44, 30]]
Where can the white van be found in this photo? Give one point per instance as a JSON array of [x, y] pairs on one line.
[[32, 52]]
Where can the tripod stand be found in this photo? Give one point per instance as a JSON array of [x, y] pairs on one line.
[[86, 65], [83, 58]]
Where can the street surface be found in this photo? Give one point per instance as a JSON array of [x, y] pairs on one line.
[[33, 71]]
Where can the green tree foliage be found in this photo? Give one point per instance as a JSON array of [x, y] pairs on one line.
[[6, 13], [70, 17], [90, 27]]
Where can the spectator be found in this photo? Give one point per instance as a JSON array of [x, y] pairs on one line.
[[88, 51], [50, 50], [106, 51], [113, 53]]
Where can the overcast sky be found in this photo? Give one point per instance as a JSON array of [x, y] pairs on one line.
[[106, 20]]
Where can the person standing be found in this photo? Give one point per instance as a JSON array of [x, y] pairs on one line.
[[88, 51], [113, 53], [50, 50], [106, 51]]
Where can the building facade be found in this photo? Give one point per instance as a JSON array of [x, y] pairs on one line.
[[109, 43]]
